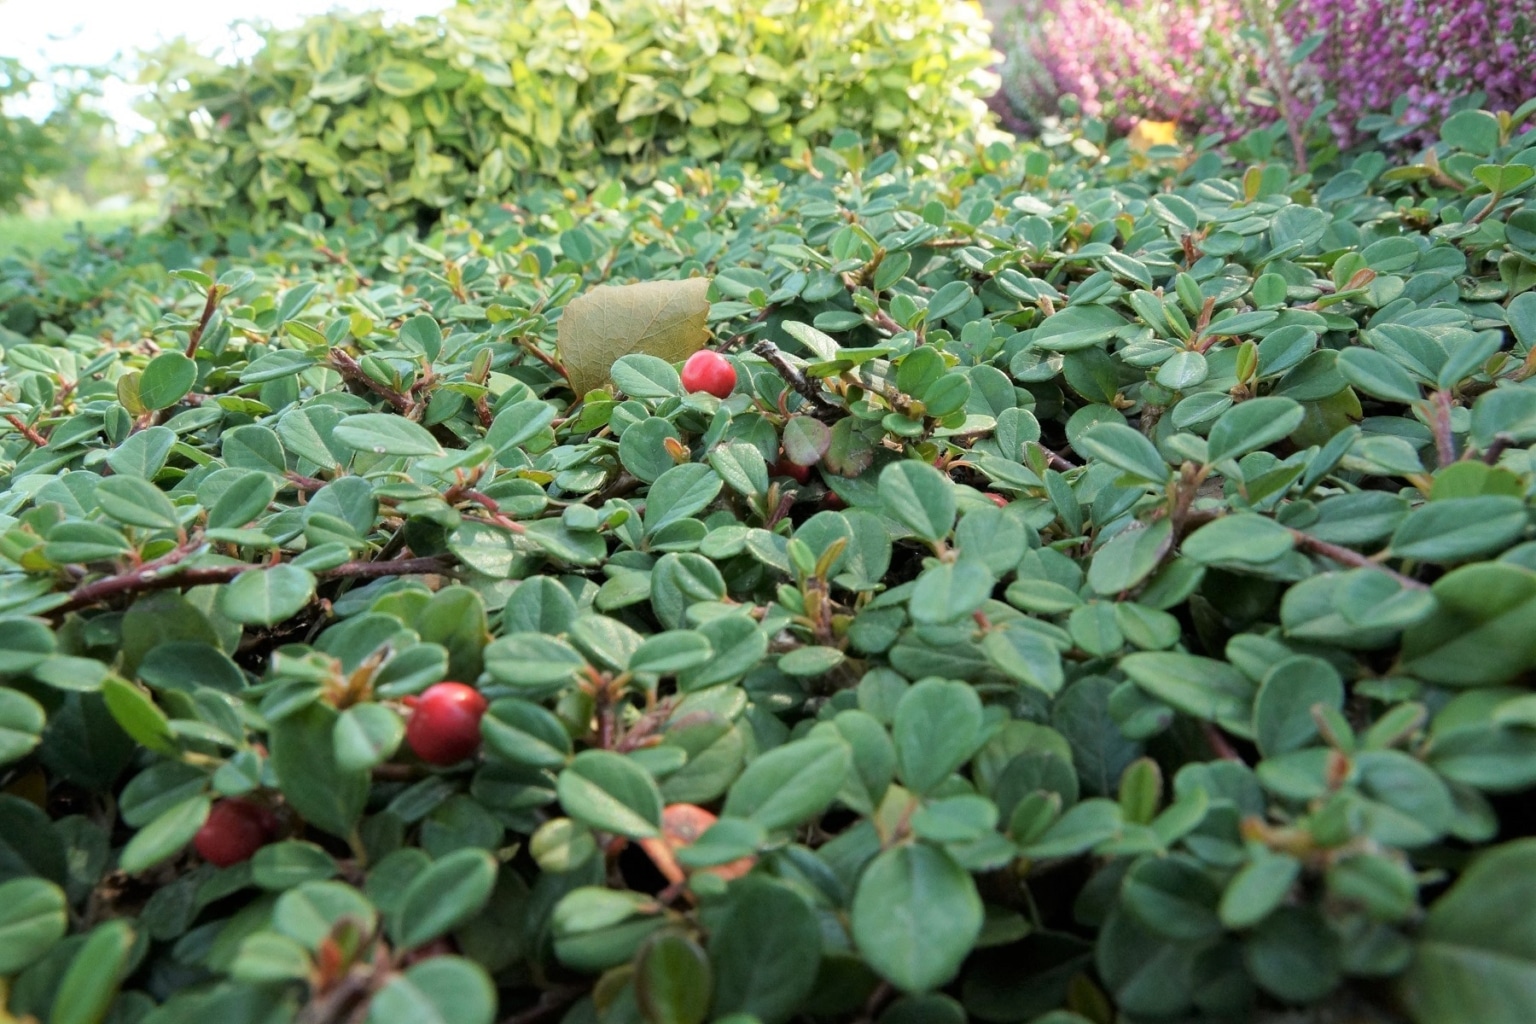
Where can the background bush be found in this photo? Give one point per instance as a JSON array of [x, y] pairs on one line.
[[424, 115], [1416, 61], [1228, 65]]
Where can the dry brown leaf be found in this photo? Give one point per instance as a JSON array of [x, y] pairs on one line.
[[666, 319]]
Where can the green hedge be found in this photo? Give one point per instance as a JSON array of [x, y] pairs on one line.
[[1107, 594], [345, 109]]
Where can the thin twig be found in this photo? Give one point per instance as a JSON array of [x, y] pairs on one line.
[[152, 576], [26, 430], [793, 377], [1496, 448], [352, 372], [215, 293], [740, 336], [1344, 556], [1445, 440], [549, 1004], [881, 317], [1220, 745], [531, 347]]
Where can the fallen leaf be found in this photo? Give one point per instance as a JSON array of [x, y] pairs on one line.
[[666, 319]]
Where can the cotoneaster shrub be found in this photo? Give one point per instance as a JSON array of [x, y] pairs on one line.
[[345, 114], [1149, 638]]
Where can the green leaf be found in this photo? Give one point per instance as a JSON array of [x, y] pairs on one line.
[[265, 597], [33, 917], [443, 896], [1294, 955], [1457, 529], [386, 434], [806, 440], [133, 709], [1242, 537], [137, 502], [309, 912], [611, 793], [1377, 375], [673, 980], [1078, 327], [679, 493], [166, 380], [790, 785], [21, 725], [1201, 687], [1126, 449], [916, 914], [441, 990], [1282, 711], [403, 77], [920, 498], [1173, 897], [94, 975], [525, 733], [671, 652], [1479, 632], [166, 835], [1251, 425], [242, 501], [1475, 958], [366, 735], [765, 952], [950, 591], [303, 752], [937, 728], [1258, 889]]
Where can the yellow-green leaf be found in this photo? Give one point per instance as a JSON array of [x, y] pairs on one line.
[[666, 319]]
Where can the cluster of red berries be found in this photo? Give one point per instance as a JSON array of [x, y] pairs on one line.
[[444, 728]]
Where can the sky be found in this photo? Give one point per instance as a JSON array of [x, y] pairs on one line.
[[47, 33]]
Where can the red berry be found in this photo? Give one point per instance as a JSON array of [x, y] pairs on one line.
[[235, 829], [709, 371], [997, 499], [445, 724], [784, 467]]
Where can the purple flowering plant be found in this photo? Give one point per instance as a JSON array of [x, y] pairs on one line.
[[1390, 68]]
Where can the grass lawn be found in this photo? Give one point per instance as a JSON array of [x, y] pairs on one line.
[[19, 234]]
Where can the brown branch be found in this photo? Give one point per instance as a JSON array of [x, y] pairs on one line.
[[793, 377], [1056, 460], [549, 1005], [881, 317], [26, 430], [1345, 556], [215, 293], [352, 372], [531, 347], [151, 576], [1445, 440], [1496, 448], [740, 336]]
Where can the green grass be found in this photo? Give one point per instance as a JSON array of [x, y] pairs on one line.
[[19, 234]]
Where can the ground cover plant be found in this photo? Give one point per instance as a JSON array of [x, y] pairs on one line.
[[1093, 587]]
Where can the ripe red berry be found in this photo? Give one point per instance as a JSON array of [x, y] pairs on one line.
[[235, 829], [784, 467], [997, 499], [709, 371], [445, 723]]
